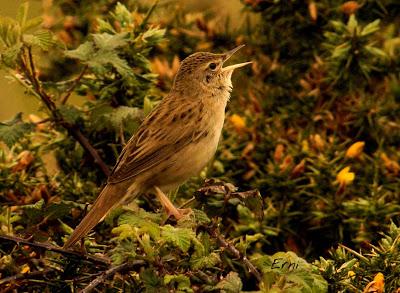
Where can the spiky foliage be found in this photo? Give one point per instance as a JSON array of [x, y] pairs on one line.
[[313, 125]]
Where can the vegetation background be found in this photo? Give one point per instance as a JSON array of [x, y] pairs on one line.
[[305, 195]]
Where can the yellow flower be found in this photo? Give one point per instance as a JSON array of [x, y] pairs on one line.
[[238, 122], [351, 275], [345, 177], [25, 269], [377, 285], [355, 150]]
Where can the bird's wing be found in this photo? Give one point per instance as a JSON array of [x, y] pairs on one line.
[[163, 133]]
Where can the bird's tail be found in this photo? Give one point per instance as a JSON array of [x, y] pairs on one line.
[[108, 198]]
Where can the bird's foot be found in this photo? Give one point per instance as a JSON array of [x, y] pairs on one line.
[[180, 213], [169, 206]]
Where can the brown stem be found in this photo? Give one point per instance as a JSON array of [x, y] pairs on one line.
[[50, 247], [28, 67], [110, 272], [74, 85], [236, 253], [84, 142], [25, 276], [31, 74]]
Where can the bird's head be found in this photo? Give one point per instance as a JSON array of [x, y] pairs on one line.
[[205, 71]]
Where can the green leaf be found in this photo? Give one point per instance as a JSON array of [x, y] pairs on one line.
[[370, 28], [181, 237], [57, 210], [145, 222], [22, 13], [123, 252], [148, 105], [9, 31], [10, 55], [105, 27], [43, 39], [109, 42], [287, 266], [34, 211], [231, 283], [180, 282], [99, 117], [12, 131], [341, 51], [347, 265], [204, 262], [151, 281], [32, 23], [70, 113], [338, 25], [112, 58], [376, 52], [123, 116], [84, 52], [153, 36], [201, 217], [352, 24], [122, 15]]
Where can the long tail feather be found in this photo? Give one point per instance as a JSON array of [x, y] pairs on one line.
[[108, 198]]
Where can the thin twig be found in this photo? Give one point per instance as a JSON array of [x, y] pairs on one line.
[[64, 99], [28, 68], [31, 74], [25, 276], [354, 252], [53, 248], [236, 253], [33, 71], [110, 272], [84, 142], [188, 202]]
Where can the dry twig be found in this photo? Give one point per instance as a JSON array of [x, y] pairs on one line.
[[50, 247], [236, 253], [28, 67], [110, 272]]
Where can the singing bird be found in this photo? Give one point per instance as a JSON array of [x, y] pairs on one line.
[[174, 142]]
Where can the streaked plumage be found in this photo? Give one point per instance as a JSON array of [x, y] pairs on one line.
[[174, 142]]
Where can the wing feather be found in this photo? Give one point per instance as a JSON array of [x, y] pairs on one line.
[[159, 137]]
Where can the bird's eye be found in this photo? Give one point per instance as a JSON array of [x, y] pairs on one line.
[[212, 66]]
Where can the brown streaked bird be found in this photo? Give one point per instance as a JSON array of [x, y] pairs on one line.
[[174, 142]]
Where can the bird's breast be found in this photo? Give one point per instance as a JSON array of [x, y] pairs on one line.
[[190, 160]]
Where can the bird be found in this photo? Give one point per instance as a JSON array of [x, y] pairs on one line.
[[173, 143]]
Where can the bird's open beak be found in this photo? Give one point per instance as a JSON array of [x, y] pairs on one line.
[[228, 55]]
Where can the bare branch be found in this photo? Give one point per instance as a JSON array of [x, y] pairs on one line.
[[28, 68], [73, 86], [236, 253], [110, 272], [26, 276], [51, 247], [84, 142]]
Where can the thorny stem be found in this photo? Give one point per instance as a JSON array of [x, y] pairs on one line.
[[236, 253], [28, 68], [110, 272], [50, 247]]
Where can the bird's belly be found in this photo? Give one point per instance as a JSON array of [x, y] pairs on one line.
[[187, 162]]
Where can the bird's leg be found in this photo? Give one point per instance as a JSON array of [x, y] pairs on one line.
[[169, 206]]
